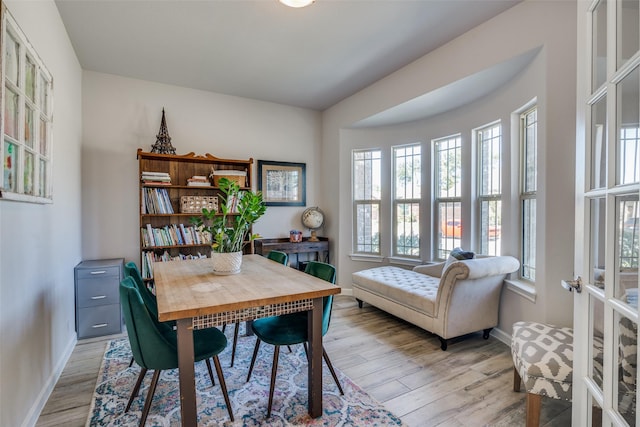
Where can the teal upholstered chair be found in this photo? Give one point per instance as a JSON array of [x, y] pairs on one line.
[[154, 346], [291, 329], [278, 256]]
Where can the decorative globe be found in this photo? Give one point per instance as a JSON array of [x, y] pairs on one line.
[[313, 218]]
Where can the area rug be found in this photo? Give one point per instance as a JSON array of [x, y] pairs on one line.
[[248, 399]]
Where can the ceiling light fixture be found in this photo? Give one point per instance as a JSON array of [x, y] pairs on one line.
[[296, 3]]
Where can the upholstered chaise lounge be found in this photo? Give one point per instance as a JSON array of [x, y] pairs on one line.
[[462, 298]]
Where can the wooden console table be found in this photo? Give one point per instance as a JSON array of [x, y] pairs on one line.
[[321, 247]]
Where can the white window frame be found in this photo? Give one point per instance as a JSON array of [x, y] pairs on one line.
[[33, 145], [489, 187], [370, 198], [447, 236], [528, 194], [407, 192]]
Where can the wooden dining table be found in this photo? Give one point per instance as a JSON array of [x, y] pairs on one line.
[[190, 293]]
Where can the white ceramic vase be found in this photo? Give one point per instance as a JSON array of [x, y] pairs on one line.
[[226, 262]]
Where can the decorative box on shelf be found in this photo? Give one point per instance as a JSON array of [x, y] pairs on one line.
[[239, 177], [195, 204]]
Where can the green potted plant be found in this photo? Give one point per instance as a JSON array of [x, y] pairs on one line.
[[229, 228]]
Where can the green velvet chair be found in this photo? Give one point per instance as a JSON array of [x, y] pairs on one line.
[[154, 346], [278, 256], [290, 329]]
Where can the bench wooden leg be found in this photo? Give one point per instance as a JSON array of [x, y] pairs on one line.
[[516, 380], [533, 409]]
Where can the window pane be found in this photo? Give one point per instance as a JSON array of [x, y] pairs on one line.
[[450, 228], [30, 80], [11, 59], [367, 228], [530, 132], [28, 127], [28, 173], [42, 181], [408, 229], [599, 53], [11, 114], [490, 214], [407, 171], [489, 152], [529, 239], [9, 167], [628, 30], [44, 96], [366, 174], [43, 137], [628, 120], [449, 167], [599, 143]]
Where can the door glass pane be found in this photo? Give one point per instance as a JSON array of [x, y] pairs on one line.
[[629, 22], [627, 359], [596, 412], [42, 179], [30, 80], [28, 173], [628, 249], [28, 127], [43, 97], [599, 143], [11, 114], [597, 243], [9, 166], [11, 59], [599, 52], [597, 336], [628, 121], [43, 137]]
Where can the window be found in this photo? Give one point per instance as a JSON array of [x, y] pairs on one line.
[[489, 141], [407, 172], [448, 194], [367, 184], [528, 188], [26, 145]]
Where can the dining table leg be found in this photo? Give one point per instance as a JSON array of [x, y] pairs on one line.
[[314, 325], [186, 366]]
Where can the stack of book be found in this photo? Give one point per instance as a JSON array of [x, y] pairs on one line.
[[156, 178], [198, 181], [156, 201]]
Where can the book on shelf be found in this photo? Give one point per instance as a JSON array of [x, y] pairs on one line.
[[198, 181], [155, 178], [173, 235], [156, 201], [149, 258]]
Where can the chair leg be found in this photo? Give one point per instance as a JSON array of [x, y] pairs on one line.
[[223, 385], [213, 383], [235, 342], [333, 372], [131, 362], [533, 409], [274, 371], [516, 380], [253, 359], [147, 403], [136, 388]]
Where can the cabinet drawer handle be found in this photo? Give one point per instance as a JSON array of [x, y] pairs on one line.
[[99, 297], [100, 325], [99, 272]]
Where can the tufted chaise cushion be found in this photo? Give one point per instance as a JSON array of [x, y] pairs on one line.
[[416, 290], [543, 356]]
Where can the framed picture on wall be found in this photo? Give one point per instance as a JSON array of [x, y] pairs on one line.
[[282, 183]]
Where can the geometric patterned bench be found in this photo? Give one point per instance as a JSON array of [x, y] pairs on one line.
[[543, 360]]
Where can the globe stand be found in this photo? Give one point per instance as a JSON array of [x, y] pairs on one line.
[[314, 236]]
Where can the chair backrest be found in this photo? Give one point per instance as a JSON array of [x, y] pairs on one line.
[[149, 346], [131, 270], [278, 256], [326, 272]]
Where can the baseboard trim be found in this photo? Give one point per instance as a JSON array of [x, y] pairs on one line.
[[501, 336], [45, 393]]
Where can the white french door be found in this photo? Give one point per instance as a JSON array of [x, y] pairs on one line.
[[607, 214]]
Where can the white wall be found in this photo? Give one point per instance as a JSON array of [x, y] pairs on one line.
[[121, 115], [40, 244], [529, 25]]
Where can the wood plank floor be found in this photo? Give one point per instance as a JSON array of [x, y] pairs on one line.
[[400, 365]]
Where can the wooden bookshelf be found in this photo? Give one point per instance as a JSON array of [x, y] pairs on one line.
[[180, 168]]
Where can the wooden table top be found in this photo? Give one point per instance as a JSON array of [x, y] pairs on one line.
[[190, 288]]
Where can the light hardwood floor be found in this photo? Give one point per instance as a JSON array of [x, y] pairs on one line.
[[400, 365]]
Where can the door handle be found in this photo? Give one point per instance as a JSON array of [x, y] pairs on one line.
[[570, 285]]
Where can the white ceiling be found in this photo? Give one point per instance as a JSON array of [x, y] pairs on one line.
[[312, 57]]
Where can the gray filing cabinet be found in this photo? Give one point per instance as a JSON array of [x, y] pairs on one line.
[[98, 297]]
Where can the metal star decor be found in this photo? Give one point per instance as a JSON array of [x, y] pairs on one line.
[[163, 141]]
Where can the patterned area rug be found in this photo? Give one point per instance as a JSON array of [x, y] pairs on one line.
[[248, 399]]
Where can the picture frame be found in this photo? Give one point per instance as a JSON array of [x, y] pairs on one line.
[[282, 183]]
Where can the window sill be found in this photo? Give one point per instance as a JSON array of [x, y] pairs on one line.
[[405, 261], [17, 197], [522, 288], [367, 258]]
